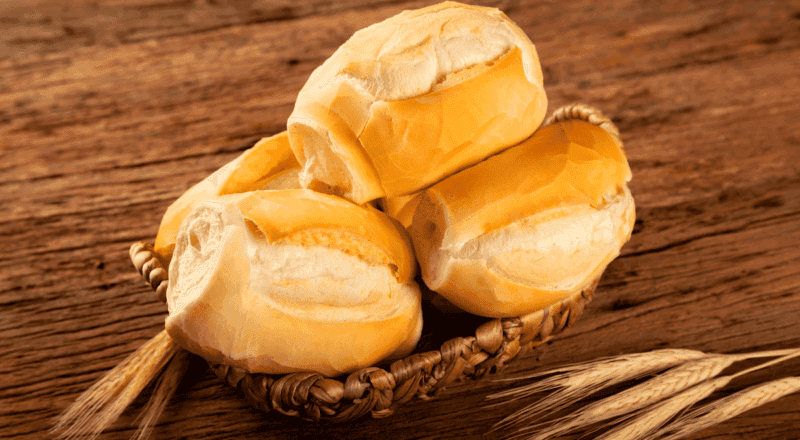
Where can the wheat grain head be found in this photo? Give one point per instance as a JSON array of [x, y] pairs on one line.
[[581, 380], [640, 396], [729, 407], [652, 418], [104, 401]]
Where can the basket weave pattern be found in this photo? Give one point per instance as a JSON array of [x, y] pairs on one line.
[[379, 391]]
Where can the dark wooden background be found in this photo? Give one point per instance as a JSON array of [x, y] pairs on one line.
[[111, 109]]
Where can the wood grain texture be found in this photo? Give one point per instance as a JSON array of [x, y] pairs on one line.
[[110, 110]]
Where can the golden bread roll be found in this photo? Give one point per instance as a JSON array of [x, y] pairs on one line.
[[269, 164], [292, 280], [410, 100], [529, 226]]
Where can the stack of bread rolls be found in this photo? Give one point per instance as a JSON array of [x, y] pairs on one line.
[[280, 261]]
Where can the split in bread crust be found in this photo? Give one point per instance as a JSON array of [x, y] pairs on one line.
[[269, 164], [292, 280], [406, 102], [529, 226]]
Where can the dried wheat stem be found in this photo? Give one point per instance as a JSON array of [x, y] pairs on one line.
[[632, 399], [790, 352], [784, 356], [101, 404], [729, 407]]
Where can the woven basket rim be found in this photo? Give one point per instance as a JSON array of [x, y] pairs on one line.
[[380, 392]]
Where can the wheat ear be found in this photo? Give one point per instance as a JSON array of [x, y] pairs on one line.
[[729, 407], [578, 381], [103, 403], [659, 414], [165, 388], [581, 380], [644, 424], [640, 396]]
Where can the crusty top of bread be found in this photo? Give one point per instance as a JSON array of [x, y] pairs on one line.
[[529, 226], [427, 49], [412, 99], [269, 164], [565, 164]]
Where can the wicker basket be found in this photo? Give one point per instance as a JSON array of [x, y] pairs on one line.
[[381, 390]]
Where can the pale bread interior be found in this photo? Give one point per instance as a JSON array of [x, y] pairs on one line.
[[221, 259], [558, 249]]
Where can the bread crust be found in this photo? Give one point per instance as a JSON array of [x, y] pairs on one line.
[[241, 261], [411, 100], [269, 164], [559, 199]]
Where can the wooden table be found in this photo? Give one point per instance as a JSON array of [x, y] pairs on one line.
[[110, 110]]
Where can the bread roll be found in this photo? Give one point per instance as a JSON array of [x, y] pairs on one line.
[[529, 226], [292, 280], [269, 164], [410, 100]]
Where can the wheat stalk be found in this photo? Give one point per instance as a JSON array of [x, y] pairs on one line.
[[645, 407], [640, 396], [643, 424], [729, 407], [581, 380], [656, 416], [103, 403], [165, 389]]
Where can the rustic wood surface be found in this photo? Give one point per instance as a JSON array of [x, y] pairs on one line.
[[110, 110]]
